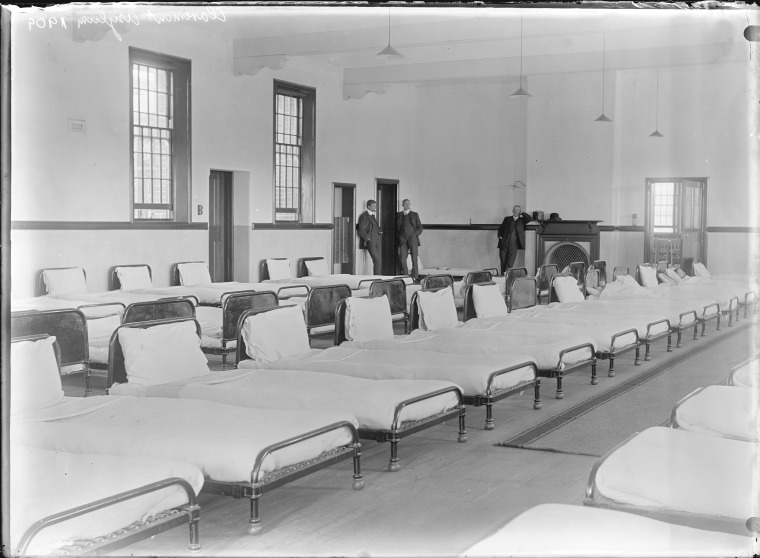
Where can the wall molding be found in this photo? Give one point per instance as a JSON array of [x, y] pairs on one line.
[[291, 226], [106, 225], [746, 230]]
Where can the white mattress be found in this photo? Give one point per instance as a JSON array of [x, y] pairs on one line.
[[211, 293], [372, 402], [221, 440], [747, 376], [668, 469], [574, 312], [727, 411], [456, 341], [585, 531], [354, 282], [670, 302], [43, 303], [48, 482], [468, 371], [124, 297]]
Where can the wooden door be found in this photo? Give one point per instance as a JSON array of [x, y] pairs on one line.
[[220, 263], [344, 236], [387, 207]]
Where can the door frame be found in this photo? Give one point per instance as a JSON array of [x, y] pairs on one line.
[[228, 225], [352, 186], [705, 181], [389, 237]]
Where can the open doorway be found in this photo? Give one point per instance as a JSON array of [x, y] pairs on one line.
[[343, 236], [387, 207], [220, 223], [676, 229]]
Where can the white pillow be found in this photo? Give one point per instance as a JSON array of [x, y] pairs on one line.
[[316, 267], [437, 309], [488, 300], [671, 272], [279, 269], [566, 287], [132, 278], [35, 379], [276, 334], [627, 280], [648, 276], [65, 281], [162, 354], [194, 273], [368, 319], [701, 271]]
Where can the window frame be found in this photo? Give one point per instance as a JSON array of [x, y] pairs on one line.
[[181, 182], [307, 168]]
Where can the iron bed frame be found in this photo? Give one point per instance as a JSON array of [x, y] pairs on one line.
[[398, 429], [524, 296], [69, 327], [697, 520], [395, 290], [259, 482], [735, 369], [303, 271], [138, 530]]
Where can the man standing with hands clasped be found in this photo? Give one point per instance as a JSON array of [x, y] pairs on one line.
[[369, 236], [408, 231], [512, 237]]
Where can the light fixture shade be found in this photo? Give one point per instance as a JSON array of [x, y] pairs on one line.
[[390, 52], [603, 118], [656, 134], [521, 93]]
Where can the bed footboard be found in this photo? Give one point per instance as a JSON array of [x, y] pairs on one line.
[[747, 296], [260, 483], [401, 429], [492, 395], [654, 337], [612, 352], [705, 318], [189, 513], [682, 326], [561, 368], [673, 423]]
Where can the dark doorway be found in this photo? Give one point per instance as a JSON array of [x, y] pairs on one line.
[[344, 236], [220, 225], [387, 206]]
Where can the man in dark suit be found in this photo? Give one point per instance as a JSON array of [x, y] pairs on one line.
[[369, 236], [408, 231], [512, 237]]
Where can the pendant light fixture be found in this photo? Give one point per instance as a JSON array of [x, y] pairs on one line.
[[603, 117], [389, 52], [656, 133], [521, 92]]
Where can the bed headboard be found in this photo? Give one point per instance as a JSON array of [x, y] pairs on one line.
[[301, 269], [41, 288], [241, 351], [395, 289], [638, 272], [321, 303], [545, 274], [117, 371], [264, 270], [524, 293], [235, 304], [619, 271], [115, 284], [512, 274], [69, 327], [435, 282], [175, 280], [414, 306], [591, 281], [601, 266], [469, 302], [340, 323], [165, 309], [578, 270]]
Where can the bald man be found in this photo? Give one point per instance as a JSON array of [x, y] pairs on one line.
[[512, 237]]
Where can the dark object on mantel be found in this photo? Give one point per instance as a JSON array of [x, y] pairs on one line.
[[555, 217]]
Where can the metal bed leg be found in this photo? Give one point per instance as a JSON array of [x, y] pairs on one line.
[[537, 395], [670, 343], [696, 327], [559, 394], [717, 325], [358, 482], [394, 464], [224, 360], [647, 356], [594, 379], [730, 318], [637, 360], [254, 523], [489, 425], [679, 343], [195, 517], [87, 382], [462, 438], [611, 371]]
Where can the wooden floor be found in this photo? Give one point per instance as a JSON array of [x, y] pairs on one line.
[[447, 495]]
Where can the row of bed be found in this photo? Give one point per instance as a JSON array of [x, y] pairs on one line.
[[379, 385]]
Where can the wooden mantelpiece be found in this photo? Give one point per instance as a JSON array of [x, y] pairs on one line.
[[578, 231]]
